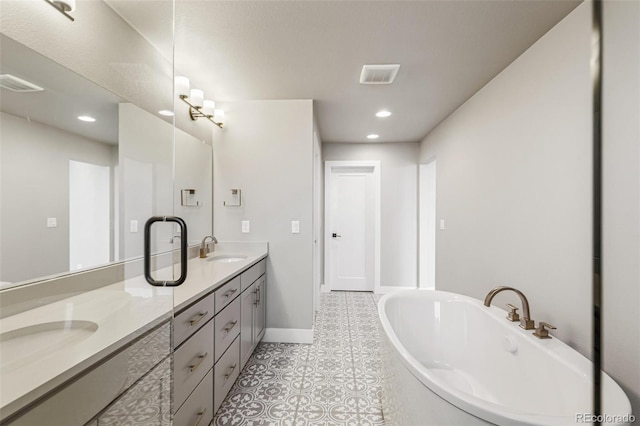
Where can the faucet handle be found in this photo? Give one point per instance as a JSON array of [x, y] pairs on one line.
[[513, 313], [542, 332]]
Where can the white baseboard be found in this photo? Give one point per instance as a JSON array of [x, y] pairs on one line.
[[384, 289], [324, 289], [288, 335]]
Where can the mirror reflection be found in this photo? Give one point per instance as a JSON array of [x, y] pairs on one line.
[[82, 170]]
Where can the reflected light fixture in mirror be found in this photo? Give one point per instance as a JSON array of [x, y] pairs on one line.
[[199, 107]]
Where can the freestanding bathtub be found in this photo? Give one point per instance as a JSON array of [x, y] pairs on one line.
[[449, 360]]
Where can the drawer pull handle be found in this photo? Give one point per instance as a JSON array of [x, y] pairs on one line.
[[193, 321], [200, 416], [201, 358], [229, 293], [230, 326], [226, 376]]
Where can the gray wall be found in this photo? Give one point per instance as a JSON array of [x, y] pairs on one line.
[[35, 186], [267, 151], [621, 196], [514, 184], [398, 204]]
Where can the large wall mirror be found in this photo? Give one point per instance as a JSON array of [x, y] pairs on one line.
[[83, 168]]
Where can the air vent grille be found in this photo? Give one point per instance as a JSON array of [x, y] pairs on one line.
[[379, 74], [11, 82]]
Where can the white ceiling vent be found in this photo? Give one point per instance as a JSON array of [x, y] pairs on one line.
[[379, 74], [8, 81]]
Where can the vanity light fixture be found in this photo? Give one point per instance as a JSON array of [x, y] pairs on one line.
[[64, 7], [199, 107], [86, 118], [373, 136], [383, 114]]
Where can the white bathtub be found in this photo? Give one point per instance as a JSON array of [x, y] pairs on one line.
[[451, 360]]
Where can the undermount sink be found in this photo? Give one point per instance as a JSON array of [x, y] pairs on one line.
[[26, 343], [226, 258]]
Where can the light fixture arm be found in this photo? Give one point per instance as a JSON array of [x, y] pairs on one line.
[[196, 112], [60, 9]]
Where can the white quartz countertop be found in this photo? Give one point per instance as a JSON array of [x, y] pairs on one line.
[[117, 314]]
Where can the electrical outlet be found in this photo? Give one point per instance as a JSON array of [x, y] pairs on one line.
[[133, 226], [295, 226], [442, 224], [245, 226]]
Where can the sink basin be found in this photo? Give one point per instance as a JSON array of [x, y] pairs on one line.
[[28, 343], [226, 258]]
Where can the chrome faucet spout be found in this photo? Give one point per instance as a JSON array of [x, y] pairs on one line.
[[204, 250], [173, 238], [525, 322]]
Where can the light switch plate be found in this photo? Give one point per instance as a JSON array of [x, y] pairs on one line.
[[245, 226], [52, 222], [442, 224], [295, 226], [133, 226]]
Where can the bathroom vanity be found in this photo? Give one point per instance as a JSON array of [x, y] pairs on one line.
[[117, 369]]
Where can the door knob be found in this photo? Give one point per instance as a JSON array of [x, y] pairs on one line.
[[334, 235]]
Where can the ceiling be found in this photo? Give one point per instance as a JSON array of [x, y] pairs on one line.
[[304, 49], [66, 95]]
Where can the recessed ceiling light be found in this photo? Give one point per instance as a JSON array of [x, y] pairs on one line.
[[166, 113], [86, 118], [373, 136], [383, 113]]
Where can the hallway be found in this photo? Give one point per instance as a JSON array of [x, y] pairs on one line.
[[334, 381]]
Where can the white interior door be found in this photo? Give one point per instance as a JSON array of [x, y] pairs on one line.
[[351, 227]]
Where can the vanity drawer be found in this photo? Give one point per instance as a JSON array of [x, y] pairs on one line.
[[188, 321], [227, 325], [192, 361], [225, 294], [198, 408], [225, 373], [250, 275]]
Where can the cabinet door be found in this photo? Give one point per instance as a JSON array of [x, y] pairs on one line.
[[259, 318], [246, 324], [147, 403]]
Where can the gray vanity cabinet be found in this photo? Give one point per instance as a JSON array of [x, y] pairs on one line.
[[133, 384], [211, 334], [253, 310]]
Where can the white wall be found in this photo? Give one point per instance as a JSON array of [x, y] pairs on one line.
[[621, 196], [399, 208], [151, 185], [266, 150], [514, 184], [35, 186]]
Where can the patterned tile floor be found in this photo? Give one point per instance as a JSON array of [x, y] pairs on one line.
[[334, 381]]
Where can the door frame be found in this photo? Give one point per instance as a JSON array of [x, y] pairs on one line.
[[353, 165], [427, 206]]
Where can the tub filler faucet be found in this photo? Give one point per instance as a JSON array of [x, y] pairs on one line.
[[525, 322], [204, 249]]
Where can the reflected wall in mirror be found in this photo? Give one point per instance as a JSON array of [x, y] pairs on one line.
[[58, 172], [76, 194]]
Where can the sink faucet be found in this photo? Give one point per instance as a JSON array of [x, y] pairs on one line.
[[204, 249], [525, 322], [173, 238]]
